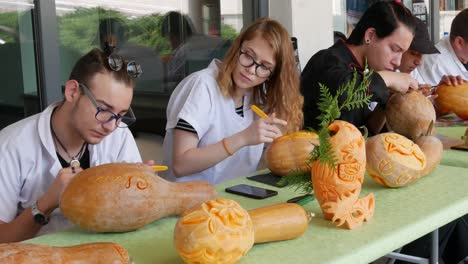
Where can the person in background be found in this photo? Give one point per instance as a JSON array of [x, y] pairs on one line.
[[379, 40], [211, 133], [413, 58], [453, 57], [190, 49], [42, 153]]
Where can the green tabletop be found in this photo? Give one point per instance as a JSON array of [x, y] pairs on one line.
[[452, 135], [401, 216]]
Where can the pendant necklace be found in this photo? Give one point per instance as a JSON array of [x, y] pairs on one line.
[[75, 160]]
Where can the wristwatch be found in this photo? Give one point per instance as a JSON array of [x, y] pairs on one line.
[[39, 217]]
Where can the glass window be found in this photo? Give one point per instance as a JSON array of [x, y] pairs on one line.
[[18, 68], [448, 10], [169, 39]]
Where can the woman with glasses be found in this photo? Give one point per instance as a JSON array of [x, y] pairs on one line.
[[42, 153], [211, 133], [380, 38]]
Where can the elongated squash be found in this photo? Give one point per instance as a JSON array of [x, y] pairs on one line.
[[120, 197], [277, 222], [221, 231], [91, 253]]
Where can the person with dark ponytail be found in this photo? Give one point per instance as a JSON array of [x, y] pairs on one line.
[[380, 38]]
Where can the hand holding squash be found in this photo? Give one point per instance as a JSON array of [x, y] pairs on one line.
[[453, 98], [121, 197], [91, 253]]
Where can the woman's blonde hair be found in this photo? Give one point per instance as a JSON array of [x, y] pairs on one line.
[[282, 95]]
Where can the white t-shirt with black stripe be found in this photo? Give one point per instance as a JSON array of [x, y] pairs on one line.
[[198, 101]]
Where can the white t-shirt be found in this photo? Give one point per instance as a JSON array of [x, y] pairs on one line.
[[198, 100], [29, 164], [435, 66]]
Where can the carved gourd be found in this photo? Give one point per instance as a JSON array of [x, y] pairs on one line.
[[409, 114], [120, 197], [337, 189], [91, 253], [453, 98], [393, 160], [221, 231], [291, 152]]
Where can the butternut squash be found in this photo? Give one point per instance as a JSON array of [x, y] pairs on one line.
[[432, 147], [453, 98], [277, 222], [121, 197], [291, 152], [410, 114], [337, 189], [221, 231], [393, 160], [91, 253]]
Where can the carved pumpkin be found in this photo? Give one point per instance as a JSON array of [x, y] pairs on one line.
[[409, 114], [290, 153], [453, 98], [221, 231], [217, 231], [91, 253], [393, 160], [120, 197], [337, 189]]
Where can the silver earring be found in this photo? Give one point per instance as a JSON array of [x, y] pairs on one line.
[[367, 41]]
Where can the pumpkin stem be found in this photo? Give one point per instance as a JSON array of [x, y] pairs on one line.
[[429, 129], [365, 130]]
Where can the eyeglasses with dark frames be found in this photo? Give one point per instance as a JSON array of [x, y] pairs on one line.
[[104, 116], [247, 60]]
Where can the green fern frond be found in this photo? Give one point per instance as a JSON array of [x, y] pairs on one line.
[[298, 180]]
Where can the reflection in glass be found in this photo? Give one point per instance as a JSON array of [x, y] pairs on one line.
[[18, 68]]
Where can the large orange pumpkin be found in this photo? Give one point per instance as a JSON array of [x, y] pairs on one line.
[[337, 189], [393, 160], [291, 152], [453, 98], [409, 114], [120, 197]]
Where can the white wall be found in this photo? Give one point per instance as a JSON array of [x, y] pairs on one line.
[[310, 21]]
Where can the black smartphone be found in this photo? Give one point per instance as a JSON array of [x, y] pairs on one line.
[[268, 178], [251, 191]]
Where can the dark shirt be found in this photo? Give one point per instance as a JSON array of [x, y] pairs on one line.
[[333, 67]]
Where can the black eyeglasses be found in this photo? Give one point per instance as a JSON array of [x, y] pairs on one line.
[[105, 116], [261, 70], [116, 63]]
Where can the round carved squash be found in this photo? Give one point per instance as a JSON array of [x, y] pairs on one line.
[[409, 114], [453, 98], [393, 160], [290, 153], [217, 231], [119, 197]]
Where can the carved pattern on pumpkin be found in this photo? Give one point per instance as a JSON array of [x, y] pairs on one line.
[[141, 182], [337, 190], [217, 231], [393, 160]]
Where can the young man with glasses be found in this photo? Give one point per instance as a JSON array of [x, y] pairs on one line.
[[42, 153]]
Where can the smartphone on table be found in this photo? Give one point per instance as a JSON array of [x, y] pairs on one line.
[[251, 191]]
